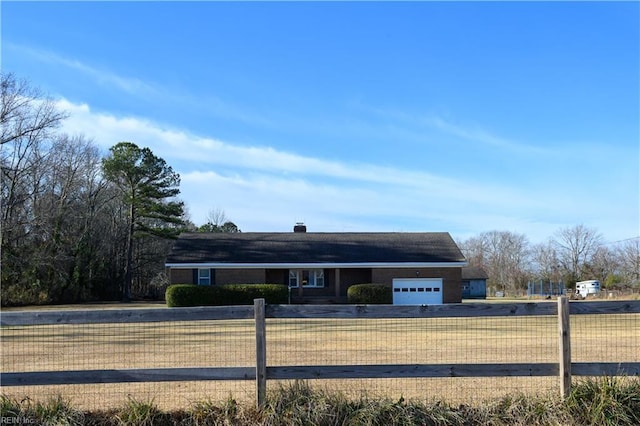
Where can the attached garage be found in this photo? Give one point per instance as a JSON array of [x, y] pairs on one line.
[[417, 291]]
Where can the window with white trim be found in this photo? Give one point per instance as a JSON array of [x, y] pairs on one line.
[[293, 278], [204, 276], [308, 277]]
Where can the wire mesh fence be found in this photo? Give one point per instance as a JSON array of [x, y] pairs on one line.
[[296, 342], [605, 337], [128, 346], [480, 340]]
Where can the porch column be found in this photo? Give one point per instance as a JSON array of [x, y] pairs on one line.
[[337, 279]]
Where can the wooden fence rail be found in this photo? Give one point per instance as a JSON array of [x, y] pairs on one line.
[[564, 369]]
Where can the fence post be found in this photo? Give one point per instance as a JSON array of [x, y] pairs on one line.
[[564, 346], [261, 352]]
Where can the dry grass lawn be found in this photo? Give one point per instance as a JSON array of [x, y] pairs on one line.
[[310, 342]]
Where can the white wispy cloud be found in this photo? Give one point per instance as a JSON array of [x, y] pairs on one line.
[[111, 80], [262, 188], [202, 153], [102, 76], [267, 170], [479, 135], [413, 124]]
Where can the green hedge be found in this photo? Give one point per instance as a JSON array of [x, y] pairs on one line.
[[179, 295], [191, 295], [370, 294], [244, 294]]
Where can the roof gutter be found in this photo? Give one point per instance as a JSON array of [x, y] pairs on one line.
[[213, 265]]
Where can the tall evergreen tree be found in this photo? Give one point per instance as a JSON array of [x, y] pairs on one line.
[[148, 187]]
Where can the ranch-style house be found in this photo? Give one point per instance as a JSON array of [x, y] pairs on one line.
[[319, 267]]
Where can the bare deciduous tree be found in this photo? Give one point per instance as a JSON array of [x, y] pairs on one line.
[[503, 255], [545, 262], [27, 119], [217, 221], [576, 247], [49, 219], [217, 217], [628, 255], [25, 112]]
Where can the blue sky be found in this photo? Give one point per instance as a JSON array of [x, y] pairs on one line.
[[353, 116]]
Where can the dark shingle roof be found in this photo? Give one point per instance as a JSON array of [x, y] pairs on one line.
[[474, 273], [314, 247]]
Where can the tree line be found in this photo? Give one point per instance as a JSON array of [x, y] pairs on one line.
[[78, 225], [573, 254]]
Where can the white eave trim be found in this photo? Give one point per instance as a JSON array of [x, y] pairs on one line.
[[315, 265]]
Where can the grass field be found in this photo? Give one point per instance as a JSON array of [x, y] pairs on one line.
[[310, 342]]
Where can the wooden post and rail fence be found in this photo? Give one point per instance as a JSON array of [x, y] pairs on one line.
[[564, 369]]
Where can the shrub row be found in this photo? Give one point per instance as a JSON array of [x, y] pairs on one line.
[[370, 294], [180, 295]]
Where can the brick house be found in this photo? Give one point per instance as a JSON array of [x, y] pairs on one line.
[[319, 267]]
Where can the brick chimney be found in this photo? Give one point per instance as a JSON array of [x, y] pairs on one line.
[[300, 227]]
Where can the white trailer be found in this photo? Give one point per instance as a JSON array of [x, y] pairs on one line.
[[586, 288]]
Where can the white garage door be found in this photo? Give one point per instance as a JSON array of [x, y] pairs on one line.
[[417, 291]]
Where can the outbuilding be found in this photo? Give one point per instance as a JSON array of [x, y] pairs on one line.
[[319, 267], [474, 282]]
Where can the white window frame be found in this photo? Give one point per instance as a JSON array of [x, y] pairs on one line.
[[310, 278], [293, 278], [204, 276]]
